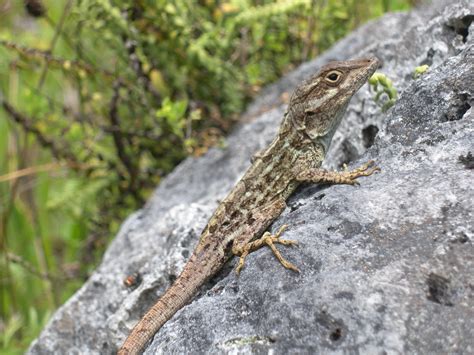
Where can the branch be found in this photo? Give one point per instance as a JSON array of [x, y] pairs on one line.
[[37, 169], [119, 142], [136, 63], [60, 62], [137, 67], [57, 31], [16, 259], [59, 152]]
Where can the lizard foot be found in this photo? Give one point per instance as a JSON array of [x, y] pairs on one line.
[[270, 240], [349, 177]]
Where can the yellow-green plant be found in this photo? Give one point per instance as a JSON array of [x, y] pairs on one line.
[[385, 93], [420, 70]]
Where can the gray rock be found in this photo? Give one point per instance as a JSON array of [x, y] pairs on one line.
[[386, 267]]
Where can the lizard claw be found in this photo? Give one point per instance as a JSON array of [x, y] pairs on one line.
[[365, 170], [270, 240]]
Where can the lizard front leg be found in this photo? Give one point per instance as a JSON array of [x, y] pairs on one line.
[[243, 244], [322, 176]]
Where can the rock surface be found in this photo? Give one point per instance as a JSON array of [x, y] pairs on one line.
[[386, 267]]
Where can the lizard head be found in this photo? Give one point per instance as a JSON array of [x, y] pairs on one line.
[[318, 104]]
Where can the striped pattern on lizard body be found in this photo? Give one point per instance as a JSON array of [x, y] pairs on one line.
[[295, 156]]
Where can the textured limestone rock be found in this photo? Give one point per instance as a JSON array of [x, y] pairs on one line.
[[385, 266]]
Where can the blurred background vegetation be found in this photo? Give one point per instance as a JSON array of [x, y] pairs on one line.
[[100, 99]]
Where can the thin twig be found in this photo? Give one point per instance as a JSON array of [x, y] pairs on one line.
[[130, 134], [37, 169], [28, 125], [136, 63], [57, 32], [61, 62], [119, 142], [116, 132], [16, 259]]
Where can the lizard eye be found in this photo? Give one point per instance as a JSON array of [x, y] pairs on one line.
[[333, 76]]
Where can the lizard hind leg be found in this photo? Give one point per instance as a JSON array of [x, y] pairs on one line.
[[266, 239]]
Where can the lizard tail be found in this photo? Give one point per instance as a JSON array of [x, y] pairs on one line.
[[176, 297]]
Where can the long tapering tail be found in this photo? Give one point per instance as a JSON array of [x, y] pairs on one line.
[[194, 275]]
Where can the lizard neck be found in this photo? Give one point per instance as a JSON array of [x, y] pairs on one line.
[[311, 150], [313, 146]]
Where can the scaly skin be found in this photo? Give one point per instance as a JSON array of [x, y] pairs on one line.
[[295, 156]]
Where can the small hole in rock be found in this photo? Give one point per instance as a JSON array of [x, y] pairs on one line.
[[336, 334], [319, 197], [458, 109], [295, 206], [368, 134], [463, 30], [467, 160], [429, 57], [439, 289], [461, 26]]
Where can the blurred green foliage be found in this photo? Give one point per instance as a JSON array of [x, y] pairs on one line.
[[101, 99]]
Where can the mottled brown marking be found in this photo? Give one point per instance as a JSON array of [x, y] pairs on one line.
[[314, 112]]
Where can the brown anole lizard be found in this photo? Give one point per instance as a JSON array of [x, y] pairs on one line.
[[295, 156]]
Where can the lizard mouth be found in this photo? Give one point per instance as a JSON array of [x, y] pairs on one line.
[[367, 66], [371, 64], [375, 63]]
